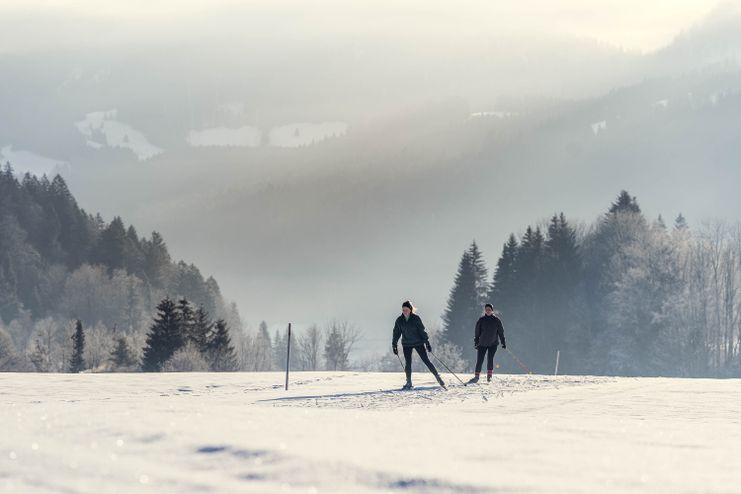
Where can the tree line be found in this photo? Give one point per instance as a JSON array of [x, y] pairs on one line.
[[181, 337], [622, 296]]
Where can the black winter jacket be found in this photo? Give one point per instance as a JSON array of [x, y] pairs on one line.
[[489, 331], [412, 331]]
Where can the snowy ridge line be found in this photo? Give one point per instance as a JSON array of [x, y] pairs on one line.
[[430, 394]]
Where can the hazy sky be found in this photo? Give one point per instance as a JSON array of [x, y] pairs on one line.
[[167, 66], [642, 25]]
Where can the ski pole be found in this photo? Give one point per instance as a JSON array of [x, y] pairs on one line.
[[519, 362], [400, 363], [448, 368]]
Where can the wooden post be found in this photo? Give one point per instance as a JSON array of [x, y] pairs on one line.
[[558, 356], [288, 354]]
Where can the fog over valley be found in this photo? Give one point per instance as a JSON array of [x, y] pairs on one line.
[[329, 162]]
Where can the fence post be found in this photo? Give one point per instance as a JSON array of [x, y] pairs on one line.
[[558, 356], [288, 354]]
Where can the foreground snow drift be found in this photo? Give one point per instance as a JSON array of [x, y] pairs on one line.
[[354, 432]]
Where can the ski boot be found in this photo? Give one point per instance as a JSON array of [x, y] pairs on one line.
[[473, 380], [407, 386]]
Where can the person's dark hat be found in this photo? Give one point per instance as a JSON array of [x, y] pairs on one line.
[[407, 304], [489, 306]]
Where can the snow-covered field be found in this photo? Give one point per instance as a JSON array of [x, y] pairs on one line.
[[353, 433]]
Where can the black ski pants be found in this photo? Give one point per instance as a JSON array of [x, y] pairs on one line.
[[422, 354], [482, 350]]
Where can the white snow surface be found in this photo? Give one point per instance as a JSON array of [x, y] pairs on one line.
[[335, 432], [101, 128]]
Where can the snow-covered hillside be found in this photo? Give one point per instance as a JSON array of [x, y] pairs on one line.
[[101, 128], [27, 161], [352, 432]]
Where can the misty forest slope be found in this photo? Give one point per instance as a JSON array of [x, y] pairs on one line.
[[58, 262], [398, 221]]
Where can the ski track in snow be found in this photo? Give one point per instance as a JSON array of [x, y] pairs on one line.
[[349, 432], [431, 394]]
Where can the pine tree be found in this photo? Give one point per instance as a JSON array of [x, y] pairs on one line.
[[75, 233], [134, 253], [122, 356], [200, 330], [263, 349], [10, 306], [467, 297], [610, 252], [562, 283], [604, 252], [480, 274], [77, 361], [525, 318], [186, 320], [110, 250], [625, 204], [660, 222], [680, 223], [165, 337], [505, 276], [156, 259], [221, 352]]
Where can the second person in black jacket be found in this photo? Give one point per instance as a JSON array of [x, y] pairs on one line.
[[489, 332], [413, 336]]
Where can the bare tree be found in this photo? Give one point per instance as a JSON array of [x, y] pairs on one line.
[[187, 359], [309, 348], [10, 359], [340, 339], [97, 346], [50, 345]]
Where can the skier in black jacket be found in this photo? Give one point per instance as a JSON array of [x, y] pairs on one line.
[[413, 335], [489, 332]]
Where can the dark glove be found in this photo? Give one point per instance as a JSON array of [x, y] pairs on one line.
[[504, 347], [395, 350], [476, 343], [427, 345]]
